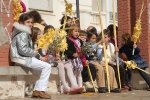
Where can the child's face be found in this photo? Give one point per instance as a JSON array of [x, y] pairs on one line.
[[83, 38], [106, 38], [75, 33], [93, 38], [39, 35], [69, 22], [29, 23]]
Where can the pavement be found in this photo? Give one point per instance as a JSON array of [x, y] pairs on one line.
[[129, 95]]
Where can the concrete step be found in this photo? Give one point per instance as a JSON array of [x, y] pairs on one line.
[[16, 81]]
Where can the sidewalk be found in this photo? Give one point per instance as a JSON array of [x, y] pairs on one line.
[[130, 95]]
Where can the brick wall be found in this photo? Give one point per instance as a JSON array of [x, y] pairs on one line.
[[128, 12], [124, 24], [7, 16]]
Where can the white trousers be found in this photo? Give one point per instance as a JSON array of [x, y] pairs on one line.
[[45, 68]]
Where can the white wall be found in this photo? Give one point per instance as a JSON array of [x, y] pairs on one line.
[[86, 5], [59, 8]]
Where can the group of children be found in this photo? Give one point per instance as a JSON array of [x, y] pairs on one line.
[[84, 49]]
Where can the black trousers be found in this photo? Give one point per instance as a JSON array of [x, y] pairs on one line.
[[122, 75], [85, 75]]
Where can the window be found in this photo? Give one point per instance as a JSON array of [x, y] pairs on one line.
[[95, 5], [42, 5], [111, 16]]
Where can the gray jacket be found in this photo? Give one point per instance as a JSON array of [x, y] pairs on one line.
[[21, 49]]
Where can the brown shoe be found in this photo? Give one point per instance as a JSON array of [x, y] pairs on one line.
[[41, 94]]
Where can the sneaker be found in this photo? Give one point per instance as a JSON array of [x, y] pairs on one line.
[[102, 90], [88, 84], [148, 89], [129, 85], [54, 64], [116, 90]]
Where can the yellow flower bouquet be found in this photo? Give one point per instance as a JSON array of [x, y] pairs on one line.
[[53, 40]]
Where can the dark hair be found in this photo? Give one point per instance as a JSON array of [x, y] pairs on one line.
[[63, 19], [127, 39], [24, 17], [48, 27], [106, 32], [92, 29], [43, 24], [83, 33], [99, 37], [34, 34], [111, 28], [36, 16], [90, 33]]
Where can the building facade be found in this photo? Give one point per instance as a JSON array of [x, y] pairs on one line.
[[52, 11]]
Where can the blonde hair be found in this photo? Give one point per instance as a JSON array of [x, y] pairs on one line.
[[73, 27]]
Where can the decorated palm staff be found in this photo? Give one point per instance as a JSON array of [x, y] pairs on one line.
[[105, 56], [133, 65], [137, 28], [69, 11], [115, 37], [17, 9]]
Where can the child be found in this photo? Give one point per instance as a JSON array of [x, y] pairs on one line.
[[22, 53], [36, 16], [94, 55], [68, 22], [85, 75], [127, 48], [61, 71], [111, 28], [111, 57], [73, 53]]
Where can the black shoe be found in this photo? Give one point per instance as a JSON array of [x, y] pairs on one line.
[[116, 90], [102, 90], [54, 64], [148, 89]]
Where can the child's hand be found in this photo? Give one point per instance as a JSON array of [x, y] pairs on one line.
[[116, 50], [57, 58], [111, 63], [75, 55], [36, 51], [134, 46], [86, 63], [43, 58]]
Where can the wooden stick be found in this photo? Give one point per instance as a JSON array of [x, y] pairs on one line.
[[105, 56], [115, 37], [89, 71]]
